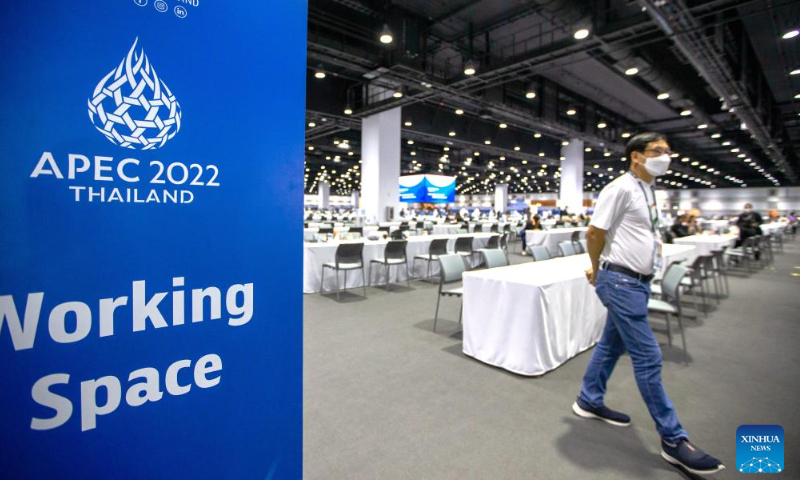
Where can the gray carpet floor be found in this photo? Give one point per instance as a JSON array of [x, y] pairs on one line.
[[387, 398]]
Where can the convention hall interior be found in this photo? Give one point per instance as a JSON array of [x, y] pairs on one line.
[[455, 155]]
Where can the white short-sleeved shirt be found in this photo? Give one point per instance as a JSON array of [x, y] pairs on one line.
[[622, 212]]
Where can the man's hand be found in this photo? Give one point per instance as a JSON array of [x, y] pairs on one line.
[[590, 275]]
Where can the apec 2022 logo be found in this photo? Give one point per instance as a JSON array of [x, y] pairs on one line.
[[133, 108], [759, 449]]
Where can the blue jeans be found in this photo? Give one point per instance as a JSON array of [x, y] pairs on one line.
[[627, 328]]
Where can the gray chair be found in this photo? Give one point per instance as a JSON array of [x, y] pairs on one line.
[[464, 248], [451, 268], [393, 254], [437, 248], [746, 253], [539, 253], [348, 257], [576, 242], [670, 303], [566, 249], [583, 245], [492, 244], [696, 278], [494, 258]]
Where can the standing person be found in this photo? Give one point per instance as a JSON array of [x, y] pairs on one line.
[[749, 223], [625, 251]]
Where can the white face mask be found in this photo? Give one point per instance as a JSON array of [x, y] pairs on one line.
[[657, 166]]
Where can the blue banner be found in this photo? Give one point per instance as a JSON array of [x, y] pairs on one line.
[[427, 189], [150, 321]]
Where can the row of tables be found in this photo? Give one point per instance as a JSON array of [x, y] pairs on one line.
[[316, 254]]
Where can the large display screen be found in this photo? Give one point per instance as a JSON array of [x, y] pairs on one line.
[[427, 189]]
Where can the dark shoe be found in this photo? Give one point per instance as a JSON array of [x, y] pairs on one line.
[[691, 458], [604, 414]]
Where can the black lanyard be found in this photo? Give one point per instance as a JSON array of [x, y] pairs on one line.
[[653, 220]]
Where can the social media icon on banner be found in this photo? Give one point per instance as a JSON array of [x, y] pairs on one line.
[[161, 6], [141, 3], [759, 449], [180, 12]]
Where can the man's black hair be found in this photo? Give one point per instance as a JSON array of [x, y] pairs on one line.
[[639, 142]]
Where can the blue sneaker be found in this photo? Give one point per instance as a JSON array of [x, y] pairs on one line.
[[604, 414], [691, 458]]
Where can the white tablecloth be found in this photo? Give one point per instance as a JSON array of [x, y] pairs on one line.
[[705, 244], [676, 253], [551, 238], [531, 318], [769, 228], [717, 225], [445, 229], [315, 254]]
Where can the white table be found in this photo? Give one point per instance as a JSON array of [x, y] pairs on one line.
[[316, 254], [705, 244], [532, 317], [676, 253], [717, 225], [551, 238], [446, 229], [769, 228]]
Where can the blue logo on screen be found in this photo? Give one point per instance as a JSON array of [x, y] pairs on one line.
[[759, 449]]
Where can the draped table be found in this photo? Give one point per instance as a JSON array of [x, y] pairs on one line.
[[445, 229], [551, 238], [532, 317], [316, 254], [770, 228], [705, 244]]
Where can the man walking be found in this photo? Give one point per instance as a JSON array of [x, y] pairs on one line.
[[625, 249]]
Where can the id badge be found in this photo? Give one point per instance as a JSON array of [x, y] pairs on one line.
[[658, 255]]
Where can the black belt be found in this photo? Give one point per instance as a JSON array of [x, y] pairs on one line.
[[626, 271]]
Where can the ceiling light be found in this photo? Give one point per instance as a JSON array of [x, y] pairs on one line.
[[408, 123], [311, 124], [537, 135], [348, 111], [663, 96], [311, 147], [452, 134], [790, 34], [702, 126], [319, 73], [487, 142], [564, 143], [581, 34], [503, 125], [601, 125], [386, 34], [410, 142], [715, 135], [398, 93], [470, 67], [797, 96], [571, 111], [516, 148], [626, 134], [796, 71], [632, 71], [686, 113], [459, 111]]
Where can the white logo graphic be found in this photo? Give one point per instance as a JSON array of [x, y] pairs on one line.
[[134, 108], [161, 6], [180, 12], [141, 3]]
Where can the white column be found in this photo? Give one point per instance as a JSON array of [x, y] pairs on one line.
[[571, 192], [380, 169], [355, 196], [501, 198], [324, 194]]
